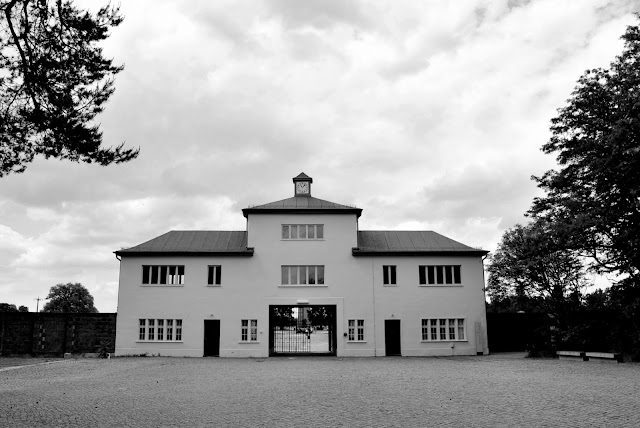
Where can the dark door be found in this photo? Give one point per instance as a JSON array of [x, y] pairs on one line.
[[211, 338], [392, 337]]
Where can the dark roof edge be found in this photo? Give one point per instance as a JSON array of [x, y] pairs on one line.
[[247, 211], [357, 252], [145, 253]]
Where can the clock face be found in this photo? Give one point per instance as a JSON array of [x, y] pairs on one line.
[[302, 187]]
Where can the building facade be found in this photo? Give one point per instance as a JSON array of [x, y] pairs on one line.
[[301, 279]]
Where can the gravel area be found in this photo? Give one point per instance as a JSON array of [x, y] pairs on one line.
[[495, 390]]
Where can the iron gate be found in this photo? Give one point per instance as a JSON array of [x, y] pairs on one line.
[[302, 330]]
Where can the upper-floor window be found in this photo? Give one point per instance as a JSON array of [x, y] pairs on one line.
[[214, 275], [440, 275], [161, 274], [302, 231], [302, 275], [389, 275]]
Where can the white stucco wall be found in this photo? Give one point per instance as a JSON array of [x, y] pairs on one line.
[[251, 284]]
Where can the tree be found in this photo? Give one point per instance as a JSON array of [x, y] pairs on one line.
[[318, 316], [69, 298], [54, 80], [283, 316], [7, 307], [531, 268], [594, 197], [23, 309]]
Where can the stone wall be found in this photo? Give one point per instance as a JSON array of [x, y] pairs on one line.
[[54, 334]]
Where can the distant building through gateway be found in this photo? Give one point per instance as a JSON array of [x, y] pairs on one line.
[[301, 280]]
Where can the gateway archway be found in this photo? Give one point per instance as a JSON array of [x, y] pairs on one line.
[[302, 330]]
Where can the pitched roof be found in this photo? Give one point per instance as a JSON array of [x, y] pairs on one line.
[[395, 242], [302, 205], [193, 242], [302, 176]]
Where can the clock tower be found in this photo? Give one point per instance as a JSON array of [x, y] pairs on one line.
[[302, 185]]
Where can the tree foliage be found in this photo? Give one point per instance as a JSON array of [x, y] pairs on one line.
[[594, 197], [8, 307], [529, 267], [54, 80], [69, 298]]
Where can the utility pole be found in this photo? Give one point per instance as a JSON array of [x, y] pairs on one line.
[[38, 303]]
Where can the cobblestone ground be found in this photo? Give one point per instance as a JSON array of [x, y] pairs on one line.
[[485, 391]]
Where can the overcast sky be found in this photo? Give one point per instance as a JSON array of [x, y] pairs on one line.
[[428, 115]]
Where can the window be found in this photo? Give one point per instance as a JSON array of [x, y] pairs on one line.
[[214, 275], [389, 275], [303, 231], [439, 275], [163, 275], [356, 330], [302, 275], [160, 330], [249, 331], [439, 329]]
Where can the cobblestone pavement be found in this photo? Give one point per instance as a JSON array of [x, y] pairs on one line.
[[10, 362], [481, 391]]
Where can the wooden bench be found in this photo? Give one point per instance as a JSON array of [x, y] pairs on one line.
[[603, 357], [572, 355]]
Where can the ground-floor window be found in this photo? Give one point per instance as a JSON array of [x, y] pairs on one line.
[[356, 330], [160, 330], [438, 329], [249, 331]]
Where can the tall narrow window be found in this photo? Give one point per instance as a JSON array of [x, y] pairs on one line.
[[178, 329], [422, 274], [160, 329], [244, 331], [320, 272], [360, 330], [150, 330], [169, 329], [254, 330], [143, 329], [389, 275], [214, 276]]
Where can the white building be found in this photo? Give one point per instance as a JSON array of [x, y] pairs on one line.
[[302, 279]]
